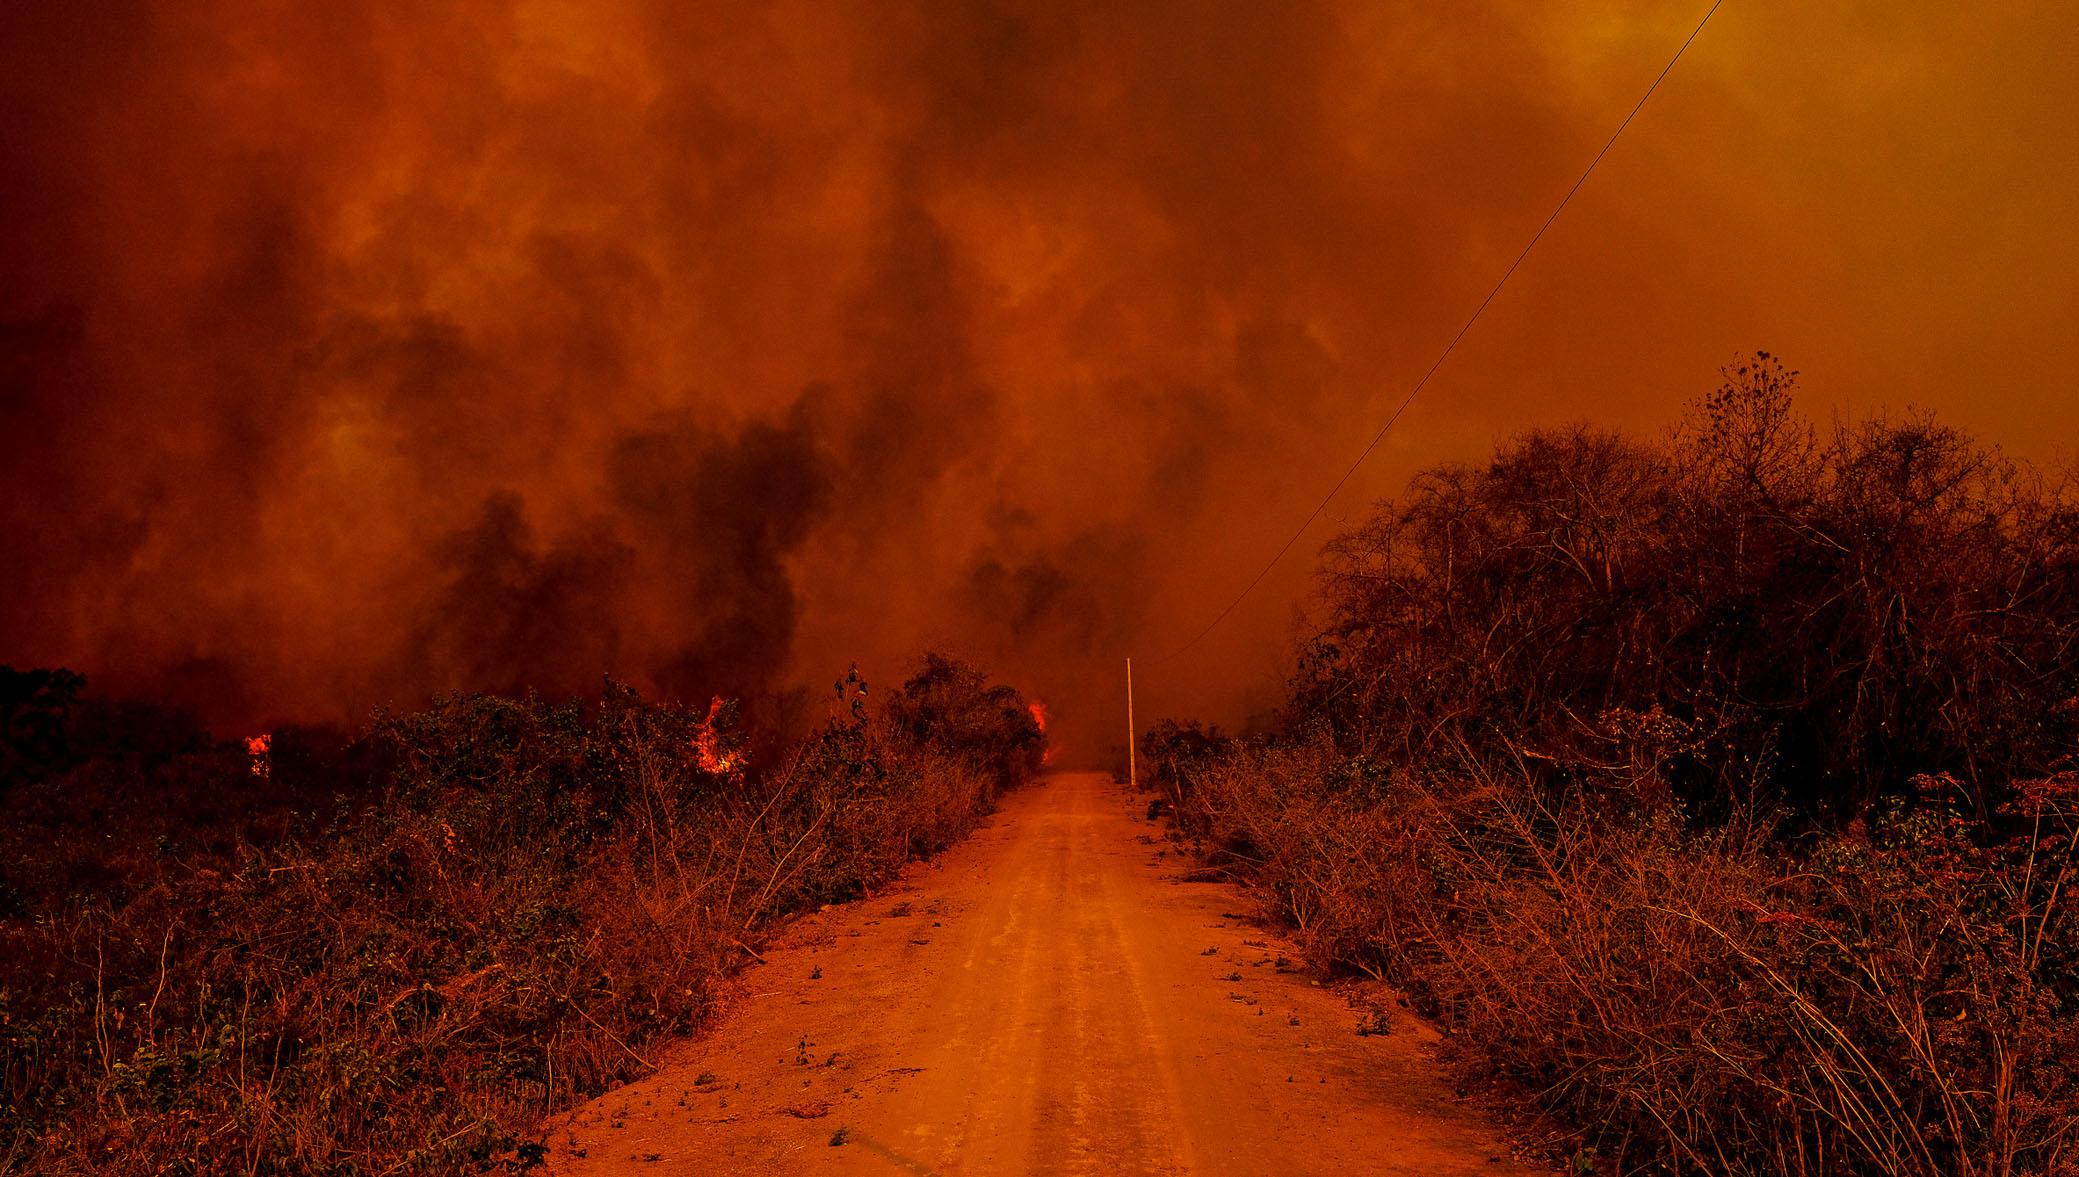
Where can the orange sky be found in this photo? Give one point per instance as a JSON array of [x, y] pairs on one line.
[[355, 350]]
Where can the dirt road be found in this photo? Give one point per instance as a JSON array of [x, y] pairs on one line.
[[1048, 997]]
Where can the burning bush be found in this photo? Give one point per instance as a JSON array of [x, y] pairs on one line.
[[952, 706], [519, 901]]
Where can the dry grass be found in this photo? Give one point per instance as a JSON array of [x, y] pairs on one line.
[[534, 897], [1713, 792], [1901, 1000]]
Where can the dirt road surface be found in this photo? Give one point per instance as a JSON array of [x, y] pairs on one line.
[[1049, 997]]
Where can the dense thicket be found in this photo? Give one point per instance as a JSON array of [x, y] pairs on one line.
[[1755, 604], [400, 953], [1717, 792]]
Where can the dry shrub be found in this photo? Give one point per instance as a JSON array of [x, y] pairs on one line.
[[1712, 792], [535, 895], [1901, 999], [1813, 616]]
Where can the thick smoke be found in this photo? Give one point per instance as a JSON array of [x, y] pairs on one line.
[[359, 350]]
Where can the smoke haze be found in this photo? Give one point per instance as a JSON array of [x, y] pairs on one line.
[[354, 351]]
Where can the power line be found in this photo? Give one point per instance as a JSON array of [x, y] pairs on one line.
[[1448, 349]]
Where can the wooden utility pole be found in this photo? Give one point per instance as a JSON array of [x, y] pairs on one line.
[[1133, 772]]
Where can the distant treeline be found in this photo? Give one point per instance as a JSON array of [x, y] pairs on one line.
[[399, 952], [1715, 792]]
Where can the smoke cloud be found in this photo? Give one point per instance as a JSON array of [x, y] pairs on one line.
[[354, 351]]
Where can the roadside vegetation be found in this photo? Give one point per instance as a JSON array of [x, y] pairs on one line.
[[400, 952], [1716, 793]]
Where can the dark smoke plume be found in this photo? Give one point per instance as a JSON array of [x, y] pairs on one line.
[[357, 350]]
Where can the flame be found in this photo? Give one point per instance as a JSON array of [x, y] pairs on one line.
[[261, 749], [1039, 716], [706, 751]]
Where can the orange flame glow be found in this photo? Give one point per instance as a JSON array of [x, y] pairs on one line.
[[261, 749], [706, 750], [1039, 716]]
